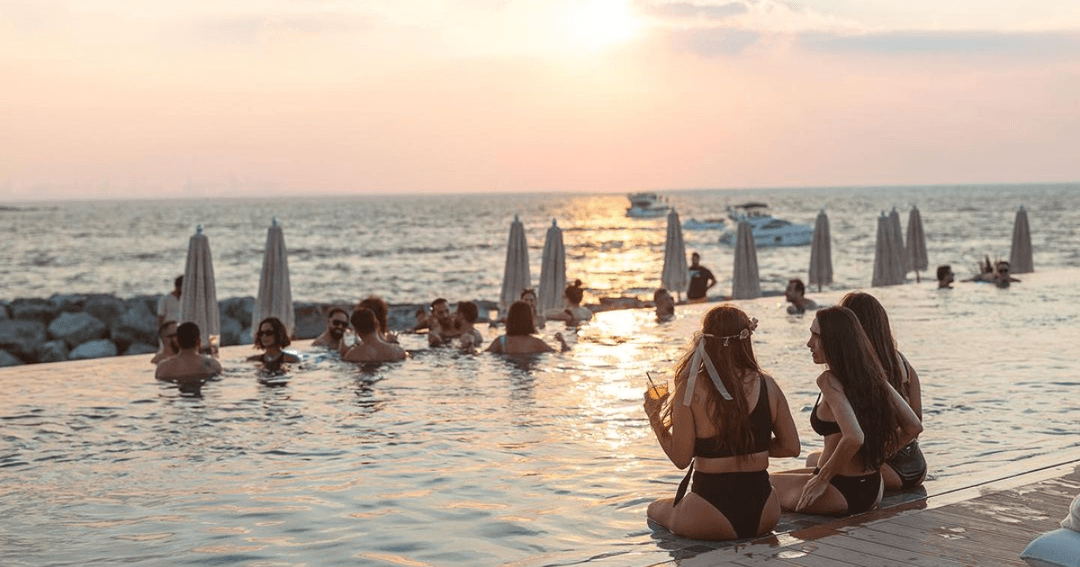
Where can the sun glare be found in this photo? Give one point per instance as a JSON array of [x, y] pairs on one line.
[[600, 23]]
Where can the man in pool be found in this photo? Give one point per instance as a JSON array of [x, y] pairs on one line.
[[796, 295], [337, 322], [169, 346], [701, 279], [371, 347], [945, 277], [188, 368]]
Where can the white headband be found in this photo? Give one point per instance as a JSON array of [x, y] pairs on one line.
[[702, 358]]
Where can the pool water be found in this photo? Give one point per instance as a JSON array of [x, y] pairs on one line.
[[457, 459]]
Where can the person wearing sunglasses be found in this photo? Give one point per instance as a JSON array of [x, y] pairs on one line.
[[272, 338], [169, 345], [337, 322]]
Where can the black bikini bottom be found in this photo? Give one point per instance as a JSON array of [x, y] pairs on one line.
[[739, 496], [861, 492], [909, 464]]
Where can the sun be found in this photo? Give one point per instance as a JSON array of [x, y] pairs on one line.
[[602, 23]]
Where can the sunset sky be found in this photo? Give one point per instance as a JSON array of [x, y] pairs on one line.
[[125, 98]]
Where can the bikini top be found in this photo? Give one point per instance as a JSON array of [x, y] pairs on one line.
[[820, 426], [760, 430]]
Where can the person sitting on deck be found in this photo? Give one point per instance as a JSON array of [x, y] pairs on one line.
[[665, 305], [574, 314], [337, 322], [272, 337], [945, 277], [796, 295], [371, 347], [169, 346], [188, 368], [520, 329]]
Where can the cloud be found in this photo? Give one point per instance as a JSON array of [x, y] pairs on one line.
[[1050, 45], [714, 41], [695, 10]]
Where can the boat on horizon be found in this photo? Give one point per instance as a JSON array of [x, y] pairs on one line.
[[647, 205], [767, 229]]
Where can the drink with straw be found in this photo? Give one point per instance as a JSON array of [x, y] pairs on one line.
[[657, 388]]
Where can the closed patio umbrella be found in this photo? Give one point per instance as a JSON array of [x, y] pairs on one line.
[[915, 248], [1020, 261], [676, 273], [275, 293], [552, 271], [821, 253], [516, 275], [198, 299], [886, 267], [898, 244], [745, 284]]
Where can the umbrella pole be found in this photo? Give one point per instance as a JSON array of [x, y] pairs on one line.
[[917, 280]]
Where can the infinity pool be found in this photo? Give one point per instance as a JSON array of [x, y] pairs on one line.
[[458, 459]]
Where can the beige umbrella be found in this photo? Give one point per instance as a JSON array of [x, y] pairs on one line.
[[198, 299], [1020, 261], [915, 248], [745, 284], [275, 293], [898, 244], [552, 271], [886, 268], [821, 253], [516, 275], [676, 273]]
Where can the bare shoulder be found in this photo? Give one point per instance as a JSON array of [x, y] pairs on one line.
[[827, 382]]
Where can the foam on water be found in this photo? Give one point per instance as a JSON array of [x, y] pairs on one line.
[[456, 459]]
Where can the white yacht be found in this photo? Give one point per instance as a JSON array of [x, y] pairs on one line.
[[767, 230], [647, 205]]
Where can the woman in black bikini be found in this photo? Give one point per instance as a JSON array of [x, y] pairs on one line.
[[725, 419], [271, 338], [859, 415]]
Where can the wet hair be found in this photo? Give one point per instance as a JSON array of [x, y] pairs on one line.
[[519, 320], [799, 285], [281, 334], [379, 307], [527, 291], [943, 271], [178, 282], [335, 310], [468, 311], [574, 292], [875, 323], [660, 293], [438, 301], [732, 360], [852, 361], [187, 335], [364, 321]]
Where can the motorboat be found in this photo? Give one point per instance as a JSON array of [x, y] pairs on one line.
[[767, 229], [707, 224], [647, 205]]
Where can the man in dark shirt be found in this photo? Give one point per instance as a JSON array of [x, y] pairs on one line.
[[701, 279]]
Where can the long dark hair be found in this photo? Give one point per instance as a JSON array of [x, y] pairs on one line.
[[281, 334], [852, 360], [519, 320], [875, 322], [732, 360]]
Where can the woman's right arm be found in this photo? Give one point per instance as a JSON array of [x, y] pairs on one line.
[[677, 442]]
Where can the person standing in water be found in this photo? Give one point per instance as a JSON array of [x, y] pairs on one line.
[[701, 279]]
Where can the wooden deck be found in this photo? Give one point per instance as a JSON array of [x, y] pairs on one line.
[[988, 524]]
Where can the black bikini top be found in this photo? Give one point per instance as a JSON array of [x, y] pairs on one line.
[[760, 429], [820, 426]]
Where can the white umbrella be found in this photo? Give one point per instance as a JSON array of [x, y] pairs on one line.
[[821, 253], [915, 248], [898, 245], [1020, 261], [552, 271], [275, 293], [886, 270], [676, 273], [198, 299], [516, 276], [745, 284]]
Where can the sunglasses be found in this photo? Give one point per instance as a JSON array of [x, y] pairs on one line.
[[265, 333], [337, 323]]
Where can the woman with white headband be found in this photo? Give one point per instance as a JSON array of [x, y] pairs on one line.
[[724, 420]]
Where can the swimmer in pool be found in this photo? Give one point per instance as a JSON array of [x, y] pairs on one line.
[[169, 345], [665, 305], [725, 418], [574, 314], [371, 347], [337, 322], [862, 418], [188, 368], [520, 331], [272, 338], [796, 296]]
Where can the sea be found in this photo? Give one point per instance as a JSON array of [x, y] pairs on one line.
[[453, 458]]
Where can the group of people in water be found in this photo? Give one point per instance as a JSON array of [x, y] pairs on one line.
[[726, 417]]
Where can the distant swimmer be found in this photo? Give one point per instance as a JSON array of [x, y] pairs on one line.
[[574, 314], [337, 322], [665, 305], [188, 368], [796, 295], [271, 338], [371, 347], [169, 346], [945, 277], [469, 336], [520, 331]]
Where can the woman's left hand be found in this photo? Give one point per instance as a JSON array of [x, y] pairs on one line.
[[812, 490]]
